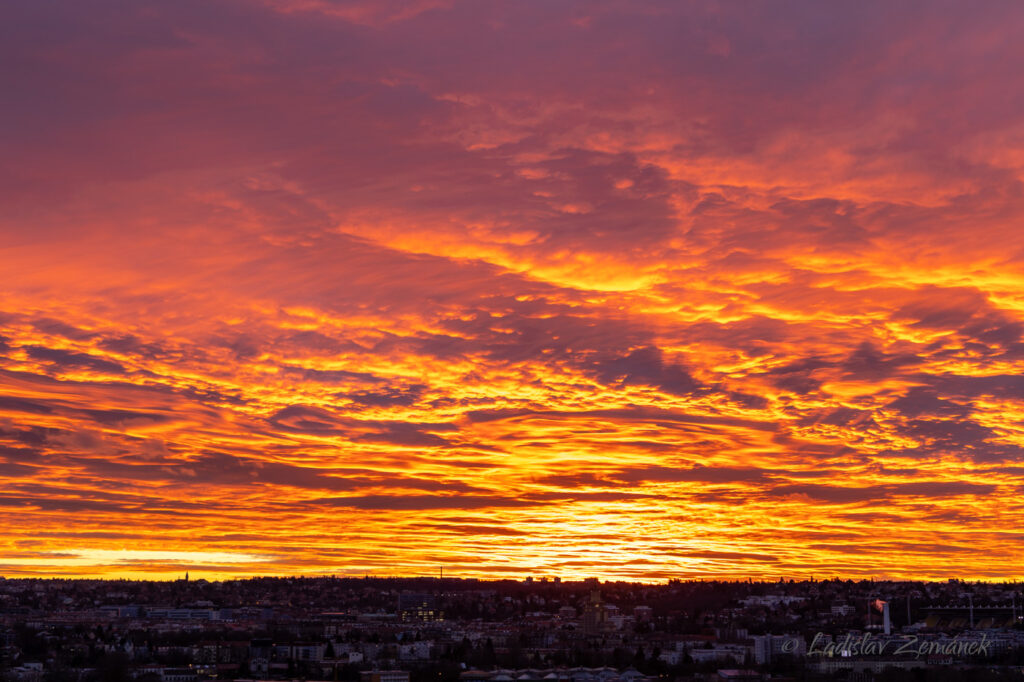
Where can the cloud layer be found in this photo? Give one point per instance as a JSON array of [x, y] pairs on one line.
[[641, 289]]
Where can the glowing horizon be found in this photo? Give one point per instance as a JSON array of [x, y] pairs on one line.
[[622, 290]]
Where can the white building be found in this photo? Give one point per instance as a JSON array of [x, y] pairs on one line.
[[770, 647]]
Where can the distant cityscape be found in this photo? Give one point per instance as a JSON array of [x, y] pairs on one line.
[[535, 630]]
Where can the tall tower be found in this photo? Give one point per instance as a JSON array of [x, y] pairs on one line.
[[594, 614]]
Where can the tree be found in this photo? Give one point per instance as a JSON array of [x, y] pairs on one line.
[[113, 668]]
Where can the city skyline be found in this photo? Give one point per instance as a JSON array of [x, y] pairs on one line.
[[638, 291]]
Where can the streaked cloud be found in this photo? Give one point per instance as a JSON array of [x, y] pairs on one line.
[[640, 289]]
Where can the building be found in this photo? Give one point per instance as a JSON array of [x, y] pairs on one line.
[[833, 666], [179, 675], [734, 675], [721, 653], [384, 676], [418, 606], [307, 651], [595, 616], [770, 647]]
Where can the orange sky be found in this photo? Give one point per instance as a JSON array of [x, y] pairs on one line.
[[620, 289]]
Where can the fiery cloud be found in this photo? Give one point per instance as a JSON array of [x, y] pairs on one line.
[[639, 289]]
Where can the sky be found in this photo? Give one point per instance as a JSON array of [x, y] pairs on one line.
[[627, 289]]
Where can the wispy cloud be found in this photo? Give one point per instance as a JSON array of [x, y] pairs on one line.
[[644, 289]]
